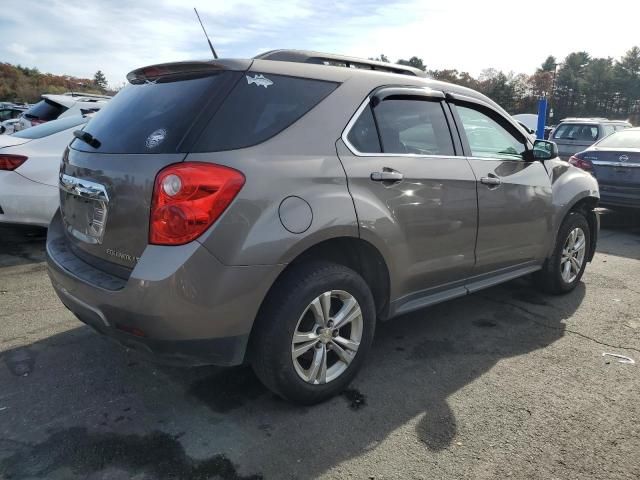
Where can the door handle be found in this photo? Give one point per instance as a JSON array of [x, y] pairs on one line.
[[491, 180], [387, 176]]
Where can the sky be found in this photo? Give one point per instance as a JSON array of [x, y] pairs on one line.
[[78, 37]]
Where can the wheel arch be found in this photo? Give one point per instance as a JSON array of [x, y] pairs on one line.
[[352, 252], [586, 205]]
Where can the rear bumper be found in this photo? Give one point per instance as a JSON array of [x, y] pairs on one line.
[[180, 304], [25, 201]]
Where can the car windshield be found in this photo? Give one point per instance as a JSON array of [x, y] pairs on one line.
[[622, 139], [50, 128]]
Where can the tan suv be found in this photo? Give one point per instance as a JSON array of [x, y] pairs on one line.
[[273, 210]]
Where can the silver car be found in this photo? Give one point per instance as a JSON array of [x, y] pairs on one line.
[[573, 135], [273, 210]]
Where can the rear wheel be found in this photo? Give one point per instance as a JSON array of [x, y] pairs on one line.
[[314, 332], [563, 270]]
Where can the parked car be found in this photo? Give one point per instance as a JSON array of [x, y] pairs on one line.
[[29, 168], [11, 111], [270, 211], [573, 135], [615, 162], [52, 107], [9, 126], [9, 114]]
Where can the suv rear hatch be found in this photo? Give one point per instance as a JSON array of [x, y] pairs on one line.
[[574, 137], [107, 178]]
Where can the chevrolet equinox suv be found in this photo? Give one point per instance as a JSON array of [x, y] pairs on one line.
[[272, 210]]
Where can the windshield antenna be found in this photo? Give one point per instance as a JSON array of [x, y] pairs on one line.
[[215, 55]]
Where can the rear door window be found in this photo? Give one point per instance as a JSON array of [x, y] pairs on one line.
[[259, 107], [45, 110], [408, 125]]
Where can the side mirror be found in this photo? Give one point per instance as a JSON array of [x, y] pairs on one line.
[[544, 150]]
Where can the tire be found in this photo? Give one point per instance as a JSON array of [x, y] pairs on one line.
[[288, 310], [551, 279]]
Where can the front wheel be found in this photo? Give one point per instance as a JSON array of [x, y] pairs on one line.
[[314, 332], [563, 270]]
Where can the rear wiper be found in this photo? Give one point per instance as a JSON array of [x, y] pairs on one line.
[[87, 138]]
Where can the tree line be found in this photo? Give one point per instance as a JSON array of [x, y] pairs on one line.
[[25, 85], [579, 86]]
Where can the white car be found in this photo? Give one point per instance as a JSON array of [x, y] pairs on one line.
[[10, 126], [29, 167], [52, 107]]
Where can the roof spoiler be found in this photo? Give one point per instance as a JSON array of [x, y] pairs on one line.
[[153, 73], [304, 56]]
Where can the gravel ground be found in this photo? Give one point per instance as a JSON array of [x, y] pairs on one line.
[[504, 383]]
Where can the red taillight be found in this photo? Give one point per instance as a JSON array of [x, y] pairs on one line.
[[11, 162], [581, 163], [187, 198]]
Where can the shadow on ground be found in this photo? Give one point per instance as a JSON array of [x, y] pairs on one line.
[[88, 409], [21, 245], [620, 233]]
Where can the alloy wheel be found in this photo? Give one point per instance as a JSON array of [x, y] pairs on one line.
[[327, 337], [573, 254]]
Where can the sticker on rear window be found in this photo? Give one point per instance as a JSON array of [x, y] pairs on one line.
[[156, 138], [259, 80]]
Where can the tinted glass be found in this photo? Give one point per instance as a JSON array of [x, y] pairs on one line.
[[52, 127], [413, 126], [45, 110], [9, 113], [363, 135], [259, 107], [151, 117], [576, 131], [623, 139], [487, 138]]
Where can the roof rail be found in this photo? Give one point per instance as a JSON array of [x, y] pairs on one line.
[[305, 56], [587, 119]]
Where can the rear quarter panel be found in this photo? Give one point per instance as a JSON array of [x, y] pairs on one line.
[[301, 161]]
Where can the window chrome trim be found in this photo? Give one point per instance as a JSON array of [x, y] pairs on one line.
[[357, 153]]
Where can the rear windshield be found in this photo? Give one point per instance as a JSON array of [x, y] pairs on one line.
[[153, 117], [623, 139], [576, 131], [50, 128], [45, 110], [259, 107]]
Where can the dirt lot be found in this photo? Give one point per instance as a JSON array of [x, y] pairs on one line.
[[503, 383]]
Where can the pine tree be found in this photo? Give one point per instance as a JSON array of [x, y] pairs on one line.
[[100, 80]]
